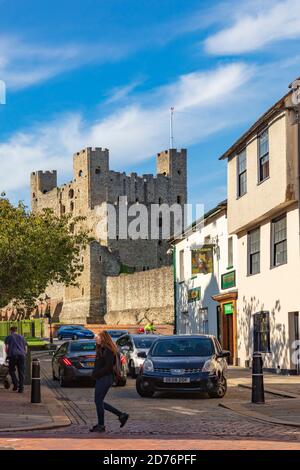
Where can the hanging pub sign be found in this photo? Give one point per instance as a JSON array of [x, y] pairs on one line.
[[202, 260], [194, 294], [228, 280]]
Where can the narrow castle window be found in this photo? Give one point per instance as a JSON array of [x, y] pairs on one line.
[[63, 209], [71, 193], [178, 199], [33, 195], [97, 171], [80, 173], [159, 200], [82, 291], [179, 172], [72, 206], [44, 191]]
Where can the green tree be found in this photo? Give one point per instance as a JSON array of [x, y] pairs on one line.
[[37, 249]]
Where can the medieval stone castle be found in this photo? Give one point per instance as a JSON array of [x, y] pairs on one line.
[[93, 185]]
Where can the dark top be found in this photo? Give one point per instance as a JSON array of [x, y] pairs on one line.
[[104, 363], [16, 345]]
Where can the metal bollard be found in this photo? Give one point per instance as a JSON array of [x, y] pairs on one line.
[[27, 380], [36, 382], [258, 394]]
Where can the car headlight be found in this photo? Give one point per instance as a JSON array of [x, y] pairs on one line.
[[209, 366], [148, 366]]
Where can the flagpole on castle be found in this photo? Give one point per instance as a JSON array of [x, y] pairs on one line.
[[171, 128]]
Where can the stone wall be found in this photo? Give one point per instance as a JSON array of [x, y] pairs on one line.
[[135, 299]]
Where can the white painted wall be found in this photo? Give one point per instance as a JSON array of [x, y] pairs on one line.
[[276, 290], [192, 321]]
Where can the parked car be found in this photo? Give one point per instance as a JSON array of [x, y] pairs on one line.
[[135, 348], [74, 361], [187, 363], [74, 332], [116, 334]]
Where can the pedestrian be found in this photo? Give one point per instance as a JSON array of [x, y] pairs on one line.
[[106, 360], [16, 348], [149, 328]]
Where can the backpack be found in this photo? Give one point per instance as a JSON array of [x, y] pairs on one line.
[[117, 367]]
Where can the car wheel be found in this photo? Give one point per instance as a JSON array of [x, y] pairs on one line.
[[132, 371], [220, 389], [74, 337], [62, 380], [141, 390]]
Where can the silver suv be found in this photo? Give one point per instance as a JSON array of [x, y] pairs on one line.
[[135, 348]]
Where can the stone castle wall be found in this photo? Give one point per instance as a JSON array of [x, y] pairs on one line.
[[95, 185], [137, 298]]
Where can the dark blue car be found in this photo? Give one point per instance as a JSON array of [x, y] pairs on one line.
[[187, 363], [74, 332]]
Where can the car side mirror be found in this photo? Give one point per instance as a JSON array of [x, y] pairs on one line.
[[224, 354], [142, 354]]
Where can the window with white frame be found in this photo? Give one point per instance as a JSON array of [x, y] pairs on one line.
[[254, 251], [263, 156], [279, 241], [242, 173], [230, 252], [181, 265]]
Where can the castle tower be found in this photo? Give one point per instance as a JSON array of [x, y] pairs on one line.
[[172, 164], [91, 170], [41, 182]]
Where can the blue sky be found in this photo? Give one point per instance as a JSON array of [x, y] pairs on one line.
[[106, 72]]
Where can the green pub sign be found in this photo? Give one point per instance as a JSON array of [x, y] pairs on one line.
[[228, 280], [228, 309]]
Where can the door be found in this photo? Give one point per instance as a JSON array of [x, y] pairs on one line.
[[227, 329]]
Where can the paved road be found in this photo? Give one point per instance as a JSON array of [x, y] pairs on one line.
[[165, 421]]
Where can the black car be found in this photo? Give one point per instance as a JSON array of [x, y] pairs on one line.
[[187, 363], [75, 360]]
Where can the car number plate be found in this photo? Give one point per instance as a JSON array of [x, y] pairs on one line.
[[177, 380]]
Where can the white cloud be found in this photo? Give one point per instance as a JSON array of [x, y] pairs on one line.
[[24, 64], [256, 25], [203, 105]]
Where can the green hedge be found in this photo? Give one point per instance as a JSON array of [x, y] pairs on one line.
[[28, 328]]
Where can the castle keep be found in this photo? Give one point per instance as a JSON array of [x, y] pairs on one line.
[[95, 185]]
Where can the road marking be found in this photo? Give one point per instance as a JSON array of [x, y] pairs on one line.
[[179, 410]]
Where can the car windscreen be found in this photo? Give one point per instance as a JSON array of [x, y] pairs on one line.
[[82, 347], [116, 333], [183, 347], [144, 342]]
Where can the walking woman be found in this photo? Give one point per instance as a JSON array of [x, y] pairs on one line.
[[106, 359]]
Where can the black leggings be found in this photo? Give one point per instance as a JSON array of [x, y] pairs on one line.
[[101, 388]]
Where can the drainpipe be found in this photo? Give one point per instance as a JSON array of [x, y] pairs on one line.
[[298, 177], [175, 297]]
